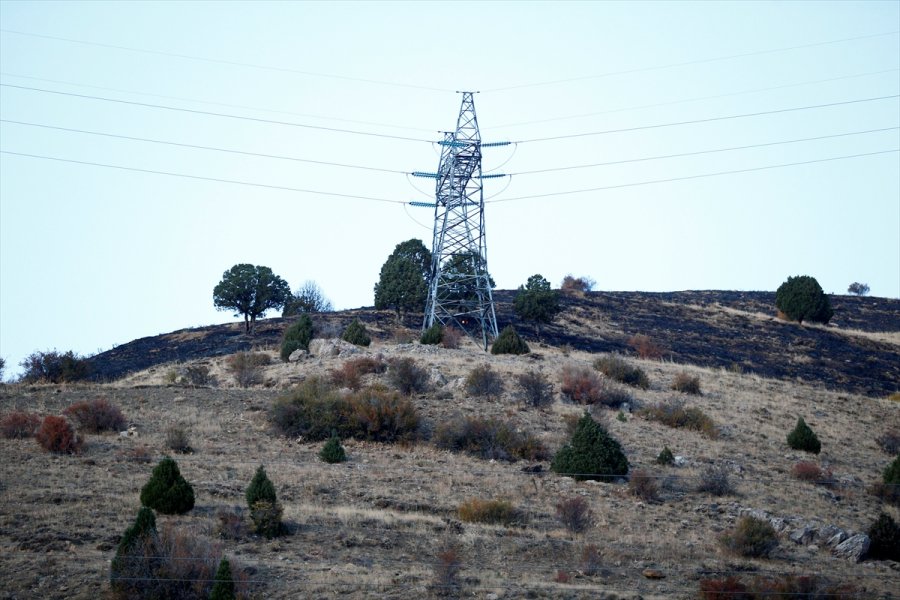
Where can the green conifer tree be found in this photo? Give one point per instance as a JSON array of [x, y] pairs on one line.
[[260, 488], [223, 588], [803, 438], [167, 491], [592, 454], [356, 334]]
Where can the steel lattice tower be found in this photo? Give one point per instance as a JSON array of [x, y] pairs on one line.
[[459, 292]]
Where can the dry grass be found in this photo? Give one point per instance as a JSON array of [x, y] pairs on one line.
[[372, 526]]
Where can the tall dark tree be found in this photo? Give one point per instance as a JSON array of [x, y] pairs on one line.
[[250, 291], [536, 301], [460, 271], [308, 298], [403, 281]]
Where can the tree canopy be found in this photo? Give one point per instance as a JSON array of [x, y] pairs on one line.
[[250, 291], [801, 299], [536, 301], [309, 297], [403, 281]]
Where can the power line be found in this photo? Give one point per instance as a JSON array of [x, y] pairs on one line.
[[215, 114], [227, 62], [708, 119], [700, 152], [202, 178], [199, 147], [225, 104], [701, 176], [690, 62], [697, 99]]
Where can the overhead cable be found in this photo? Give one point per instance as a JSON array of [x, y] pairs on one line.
[[202, 178], [689, 177], [215, 114], [708, 119], [689, 62], [226, 62]]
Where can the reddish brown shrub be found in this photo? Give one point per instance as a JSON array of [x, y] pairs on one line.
[[590, 560], [811, 472], [577, 284], [645, 347], [19, 424], [447, 565], [643, 485], [379, 415], [581, 385], [575, 514], [57, 435], [729, 588], [562, 576], [137, 454], [96, 416], [351, 372]]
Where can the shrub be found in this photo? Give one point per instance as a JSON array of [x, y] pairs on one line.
[[645, 347], [509, 342], [665, 457], [751, 537], [643, 485], [801, 299], [729, 588], [266, 517], [811, 472], [57, 435], [19, 424], [407, 376], [580, 384], [260, 488], [447, 566], [686, 383], [884, 535], [377, 415], [714, 480], [312, 411], [451, 338], [889, 441], [297, 337], [577, 284], [575, 514], [675, 414], [167, 491], [357, 334], [592, 454], [615, 367], [535, 389], [96, 416], [487, 438], [494, 512], [2, 367], [198, 375], [231, 523], [246, 367], [137, 454], [484, 382], [332, 452], [590, 560], [891, 475], [132, 566], [178, 439], [433, 335], [351, 372], [803, 438], [53, 367], [889, 487], [223, 585]]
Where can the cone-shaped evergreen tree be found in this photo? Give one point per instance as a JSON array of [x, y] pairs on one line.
[[803, 438], [332, 451], [592, 454], [131, 561], [357, 334], [260, 488], [167, 491], [509, 342], [891, 474], [223, 588]]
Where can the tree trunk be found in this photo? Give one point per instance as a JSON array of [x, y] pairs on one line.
[[246, 323]]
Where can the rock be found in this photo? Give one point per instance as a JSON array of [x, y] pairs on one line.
[[331, 347], [778, 524], [437, 378], [828, 531], [298, 355], [837, 538], [804, 534], [853, 548], [680, 461], [653, 574]]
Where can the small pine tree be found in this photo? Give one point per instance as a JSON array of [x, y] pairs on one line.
[[509, 342], [891, 473], [223, 588], [131, 561], [356, 334], [884, 535], [332, 452], [665, 457], [803, 438], [297, 337], [167, 491], [432, 336], [592, 454], [260, 488]]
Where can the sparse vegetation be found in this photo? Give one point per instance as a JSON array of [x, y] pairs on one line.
[[575, 514], [296, 337], [782, 586], [714, 480], [590, 560], [167, 491], [19, 424], [643, 485], [686, 383], [407, 376], [484, 382], [96, 416], [591, 454], [676, 414], [54, 367], [509, 342], [309, 298], [332, 452], [198, 376], [535, 389], [645, 347], [889, 441], [379, 415], [178, 439], [617, 368], [57, 435], [803, 438], [356, 334], [751, 537], [312, 411], [487, 438], [432, 336], [447, 567], [247, 367], [801, 299], [492, 512]]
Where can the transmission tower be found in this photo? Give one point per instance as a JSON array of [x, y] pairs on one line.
[[459, 292]]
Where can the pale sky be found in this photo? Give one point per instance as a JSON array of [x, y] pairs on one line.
[[92, 256]]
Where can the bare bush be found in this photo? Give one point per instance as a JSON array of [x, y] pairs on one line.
[[447, 567], [889, 441], [714, 480], [577, 284], [686, 383], [575, 514], [451, 338], [19, 424], [57, 435], [590, 560], [494, 512], [96, 416], [489, 439], [811, 473], [198, 376], [247, 367], [645, 347], [617, 368], [580, 384], [643, 485], [535, 389], [484, 382], [178, 439], [407, 376]]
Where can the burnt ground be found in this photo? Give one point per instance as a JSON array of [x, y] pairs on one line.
[[721, 329]]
